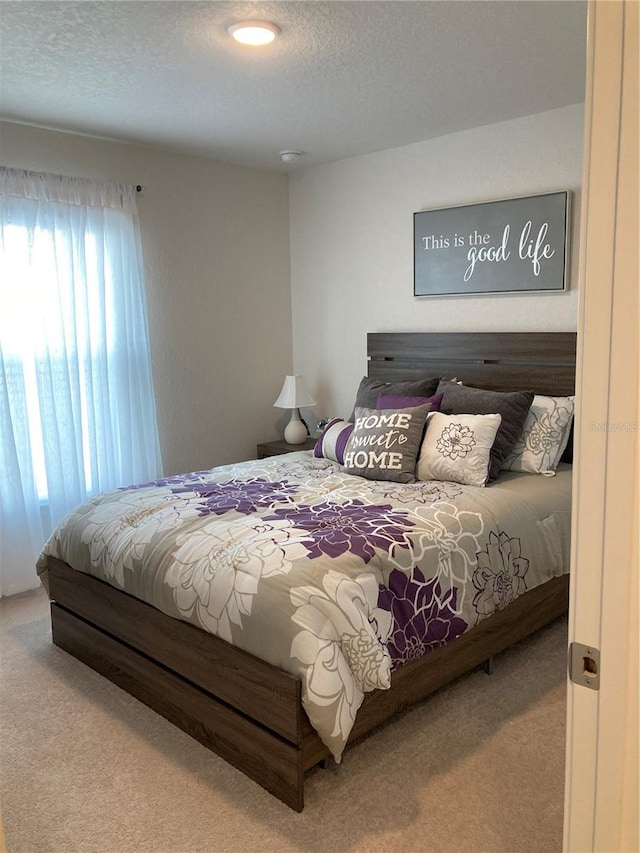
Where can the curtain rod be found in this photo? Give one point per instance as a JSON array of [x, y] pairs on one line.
[[139, 188]]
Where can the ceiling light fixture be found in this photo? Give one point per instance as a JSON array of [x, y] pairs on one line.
[[254, 33], [290, 156]]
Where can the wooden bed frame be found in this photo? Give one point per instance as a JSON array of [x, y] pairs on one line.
[[250, 712]]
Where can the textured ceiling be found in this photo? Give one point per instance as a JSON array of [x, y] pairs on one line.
[[344, 78]]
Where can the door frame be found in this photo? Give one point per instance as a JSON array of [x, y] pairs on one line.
[[601, 782]]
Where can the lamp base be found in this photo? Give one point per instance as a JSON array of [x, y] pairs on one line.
[[295, 431]]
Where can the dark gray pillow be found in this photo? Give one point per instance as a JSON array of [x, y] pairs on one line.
[[385, 443], [370, 389], [513, 406]]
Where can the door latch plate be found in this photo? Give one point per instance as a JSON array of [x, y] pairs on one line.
[[584, 665]]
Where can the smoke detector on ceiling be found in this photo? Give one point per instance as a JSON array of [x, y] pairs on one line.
[[290, 156]]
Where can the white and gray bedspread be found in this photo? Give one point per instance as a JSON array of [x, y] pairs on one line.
[[332, 577]]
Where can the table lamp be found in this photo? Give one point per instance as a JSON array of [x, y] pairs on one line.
[[293, 395]]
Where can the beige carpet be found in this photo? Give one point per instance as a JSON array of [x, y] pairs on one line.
[[477, 767]]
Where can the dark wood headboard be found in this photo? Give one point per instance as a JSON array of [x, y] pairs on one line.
[[544, 362]]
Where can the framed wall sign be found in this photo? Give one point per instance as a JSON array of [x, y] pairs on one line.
[[517, 244]]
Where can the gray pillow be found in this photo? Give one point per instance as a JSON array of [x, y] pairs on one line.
[[384, 444], [370, 389], [513, 406]]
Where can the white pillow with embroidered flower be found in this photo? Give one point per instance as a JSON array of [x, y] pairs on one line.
[[457, 448], [545, 435]]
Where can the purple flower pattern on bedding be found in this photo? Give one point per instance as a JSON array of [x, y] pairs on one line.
[[356, 527], [422, 618], [240, 496], [500, 575], [358, 576], [243, 496]]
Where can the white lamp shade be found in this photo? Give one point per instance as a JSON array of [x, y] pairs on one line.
[[294, 394]]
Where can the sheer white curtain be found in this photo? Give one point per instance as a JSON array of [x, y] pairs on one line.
[[77, 411]]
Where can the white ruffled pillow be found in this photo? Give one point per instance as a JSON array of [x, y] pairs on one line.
[[457, 448], [545, 435]]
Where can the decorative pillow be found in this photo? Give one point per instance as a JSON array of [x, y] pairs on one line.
[[370, 389], [392, 401], [333, 440], [385, 443], [544, 436], [457, 448], [513, 407], [567, 456]]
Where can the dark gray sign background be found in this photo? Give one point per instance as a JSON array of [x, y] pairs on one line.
[[470, 241]]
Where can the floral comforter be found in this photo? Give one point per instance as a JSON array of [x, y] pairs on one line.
[[332, 577]]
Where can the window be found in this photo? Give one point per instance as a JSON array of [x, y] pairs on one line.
[[77, 412]]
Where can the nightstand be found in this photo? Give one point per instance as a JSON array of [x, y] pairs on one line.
[[275, 448]]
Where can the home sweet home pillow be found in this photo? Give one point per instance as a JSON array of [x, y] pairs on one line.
[[384, 444]]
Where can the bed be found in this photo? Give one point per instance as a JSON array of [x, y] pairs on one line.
[[235, 689]]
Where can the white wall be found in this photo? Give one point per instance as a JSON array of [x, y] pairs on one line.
[[351, 226], [220, 292], [216, 249]]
